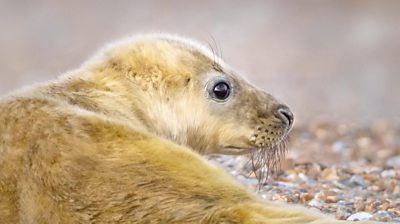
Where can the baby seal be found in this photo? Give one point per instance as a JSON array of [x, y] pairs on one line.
[[120, 139]]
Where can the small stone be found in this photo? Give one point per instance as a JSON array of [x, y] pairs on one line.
[[342, 213], [303, 177], [396, 190], [321, 134], [382, 216], [384, 206], [393, 162], [340, 147], [340, 184], [287, 185], [314, 170], [370, 178], [384, 153], [329, 174], [320, 196], [278, 197], [305, 197], [316, 203], [364, 142], [372, 170], [326, 196], [331, 199], [388, 174], [345, 203], [360, 216], [329, 193], [390, 185], [371, 207], [288, 164], [359, 205], [396, 220], [358, 180], [251, 181], [395, 211], [375, 188]]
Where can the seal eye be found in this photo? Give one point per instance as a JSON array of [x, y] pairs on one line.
[[221, 90]]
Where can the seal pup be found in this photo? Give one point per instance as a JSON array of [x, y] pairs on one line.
[[119, 140]]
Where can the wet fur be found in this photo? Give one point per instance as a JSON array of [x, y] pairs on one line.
[[119, 141]]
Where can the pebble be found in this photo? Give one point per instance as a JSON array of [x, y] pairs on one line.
[[388, 173], [343, 212], [306, 197], [315, 203], [358, 180], [340, 147], [382, 216], [396, 220], [340, 184], [360, 216], [393, 162], [359, 205], [329, 174]]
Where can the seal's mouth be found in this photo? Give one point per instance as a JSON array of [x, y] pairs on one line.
[[239, 150]]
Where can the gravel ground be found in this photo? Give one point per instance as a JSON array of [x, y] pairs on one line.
[[347, 171]]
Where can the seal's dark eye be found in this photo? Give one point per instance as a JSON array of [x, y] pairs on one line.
[[222, 90]]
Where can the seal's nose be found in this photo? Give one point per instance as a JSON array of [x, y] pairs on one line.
[[284, 113]]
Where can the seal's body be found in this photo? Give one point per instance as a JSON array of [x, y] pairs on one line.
[[119, 141]]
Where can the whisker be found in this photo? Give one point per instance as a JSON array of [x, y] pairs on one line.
[[218, 49], [266, 161], [213, 52]]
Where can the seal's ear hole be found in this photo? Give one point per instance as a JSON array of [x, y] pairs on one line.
[[188, 80]]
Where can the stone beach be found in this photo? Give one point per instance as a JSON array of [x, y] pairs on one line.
[[350, 172]]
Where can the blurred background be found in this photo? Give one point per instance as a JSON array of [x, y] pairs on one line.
[[329, 60]]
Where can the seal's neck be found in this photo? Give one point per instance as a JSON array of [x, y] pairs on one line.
[[93, 96], [122, 101]]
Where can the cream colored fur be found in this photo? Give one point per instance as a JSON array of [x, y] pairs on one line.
[[119, 141]]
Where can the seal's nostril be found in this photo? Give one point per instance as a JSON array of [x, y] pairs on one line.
[[285, 114]]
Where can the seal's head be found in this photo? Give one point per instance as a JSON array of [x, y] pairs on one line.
[[183, 92]]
